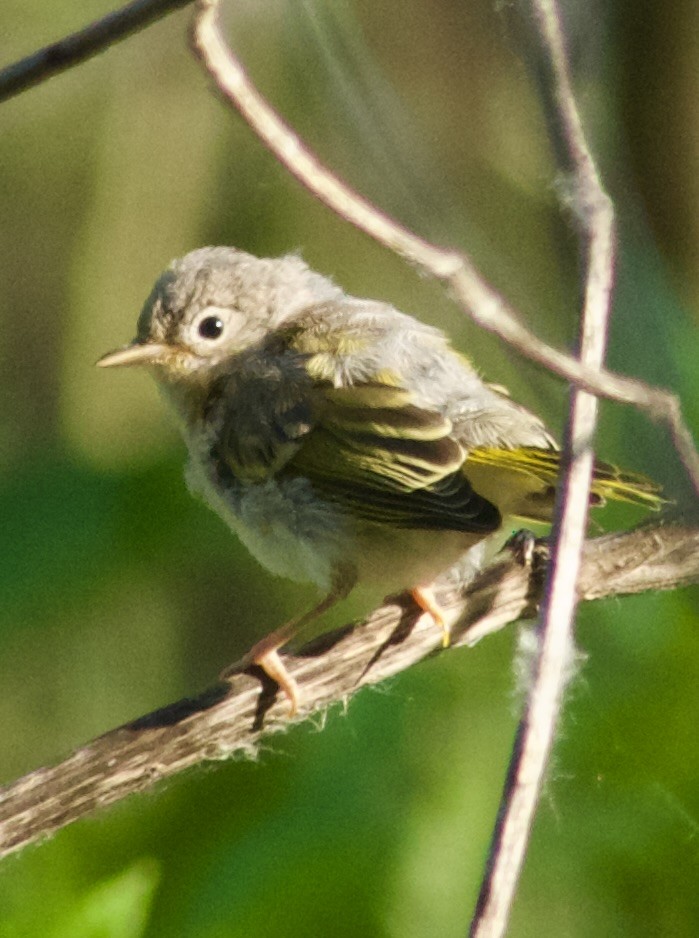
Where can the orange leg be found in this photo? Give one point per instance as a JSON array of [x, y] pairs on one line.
[[273, 666], [265, 653], [427, 601]]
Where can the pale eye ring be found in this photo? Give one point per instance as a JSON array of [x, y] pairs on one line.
[[211, 327]]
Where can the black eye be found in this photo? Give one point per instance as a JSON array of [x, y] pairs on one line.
[[211, 327]]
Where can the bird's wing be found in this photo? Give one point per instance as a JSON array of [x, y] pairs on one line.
[[381, 457], [365, 446]]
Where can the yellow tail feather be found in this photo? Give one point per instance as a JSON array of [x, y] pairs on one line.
[[522, 481]]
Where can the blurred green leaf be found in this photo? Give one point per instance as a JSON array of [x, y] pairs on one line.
[[118, 907], [121, 593]]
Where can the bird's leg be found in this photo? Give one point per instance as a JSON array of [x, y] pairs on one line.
[[425, 598], [265, 653]]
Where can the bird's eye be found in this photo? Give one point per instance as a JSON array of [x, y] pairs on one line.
[[211, 327]]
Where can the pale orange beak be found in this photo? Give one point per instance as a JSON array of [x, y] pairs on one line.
[[137, 353]]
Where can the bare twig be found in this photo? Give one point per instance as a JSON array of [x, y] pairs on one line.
[[537, 728], [485, 305], [490, 310], [76, 48], [232, 718], [475, 295]]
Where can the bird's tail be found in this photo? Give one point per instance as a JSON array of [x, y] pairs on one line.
[[522, 482]]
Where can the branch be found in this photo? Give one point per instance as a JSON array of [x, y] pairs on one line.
[[474, 294], [478, 299], [232, 718], [537, 727], [80, 46]]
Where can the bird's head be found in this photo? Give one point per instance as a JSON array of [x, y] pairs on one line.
[[213, 304]]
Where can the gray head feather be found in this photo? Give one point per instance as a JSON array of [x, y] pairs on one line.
[[265, 291]]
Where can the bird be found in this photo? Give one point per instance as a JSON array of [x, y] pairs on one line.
[[343, 441]]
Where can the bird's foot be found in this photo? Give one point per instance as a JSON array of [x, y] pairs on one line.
[[265, 655], [425, 598]]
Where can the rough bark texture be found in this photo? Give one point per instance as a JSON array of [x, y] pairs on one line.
[[232, 717]]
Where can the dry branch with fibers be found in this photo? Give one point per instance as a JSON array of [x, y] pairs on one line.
[[233, 717]]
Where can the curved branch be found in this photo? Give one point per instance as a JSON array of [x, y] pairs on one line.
[[232, 718], [476, 296]]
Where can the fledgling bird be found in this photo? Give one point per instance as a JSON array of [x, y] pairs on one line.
[[342, 440]]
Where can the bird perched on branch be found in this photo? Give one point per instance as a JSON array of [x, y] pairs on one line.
[[342, 440]]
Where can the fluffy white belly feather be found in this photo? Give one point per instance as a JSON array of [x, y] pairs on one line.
[[282, 523]]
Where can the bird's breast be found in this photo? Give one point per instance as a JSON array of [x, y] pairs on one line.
[[282, 522]]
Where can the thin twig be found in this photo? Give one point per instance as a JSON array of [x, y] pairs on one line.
[[134, 756], [233, 718], [485, 305], [79, 46], [475, 295], [537, 728]]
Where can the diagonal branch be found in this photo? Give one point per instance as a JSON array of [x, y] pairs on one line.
[[475, 295], [484, 305], [477, 298], [232, 718], [82, 45]]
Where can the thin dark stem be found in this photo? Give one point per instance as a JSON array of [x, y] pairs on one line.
[[80, 46], [484, 304]]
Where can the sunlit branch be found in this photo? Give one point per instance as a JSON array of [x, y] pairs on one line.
[[475, 295], [232, 719]]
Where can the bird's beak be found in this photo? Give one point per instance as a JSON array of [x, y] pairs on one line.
[[137, 353]]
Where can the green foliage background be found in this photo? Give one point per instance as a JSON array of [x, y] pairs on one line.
[[120, 593]]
